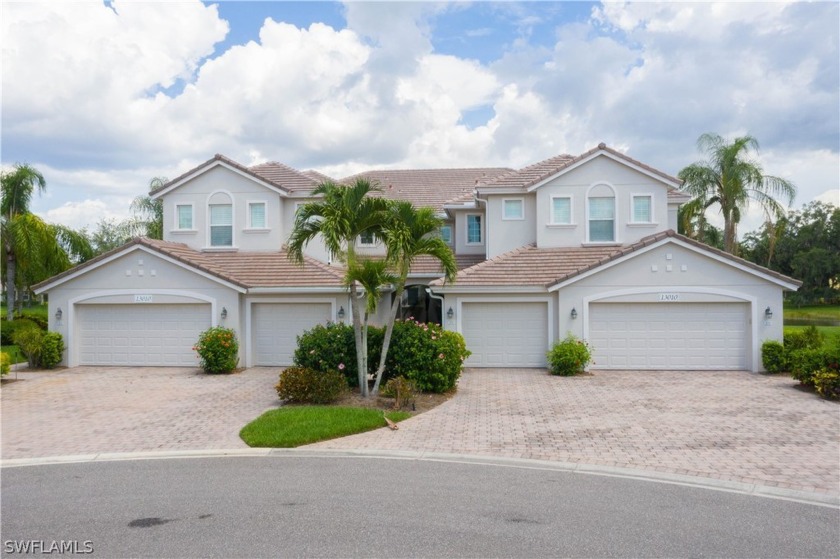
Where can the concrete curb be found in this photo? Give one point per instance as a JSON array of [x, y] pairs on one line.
[[819, 499]]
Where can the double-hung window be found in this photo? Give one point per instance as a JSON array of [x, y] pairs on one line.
[[602, 220], [221, 225], [474, 229]]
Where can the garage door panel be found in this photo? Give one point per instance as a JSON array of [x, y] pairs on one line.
[[140, 335], [276, 327], [505, 334], [669, 336]]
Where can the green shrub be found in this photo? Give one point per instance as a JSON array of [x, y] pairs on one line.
[[426, 354], [52, 348], [5, 363], [804, 363], [569, 356], [401, 390], [808, 338], [30, 340], [218, 349], [8, 329], [774, 357], [333, 348], [827, 383], [302, 385]]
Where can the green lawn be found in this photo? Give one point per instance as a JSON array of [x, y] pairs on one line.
[[817, 312], [298, 425]]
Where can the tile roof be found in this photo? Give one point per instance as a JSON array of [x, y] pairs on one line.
[[244, 269], [428, 187], [534, 174], [543, 267], [290, 179], [427, 265], [215, 158], [318, 177]]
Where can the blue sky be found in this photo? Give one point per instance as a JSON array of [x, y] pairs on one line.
[[101, 98]]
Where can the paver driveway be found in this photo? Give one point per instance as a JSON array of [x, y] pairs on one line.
[[734, 426], [88, 410], [728, 425]]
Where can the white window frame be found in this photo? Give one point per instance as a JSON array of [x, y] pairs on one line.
[[632, 220], [467, 229], [571, 222], [210, 226], [521, 216], [448, 227], [251, 226], [178, 220], [362, 243], [614, 219]]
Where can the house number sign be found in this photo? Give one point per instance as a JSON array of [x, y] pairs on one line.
[[142, 298], [669, 297]]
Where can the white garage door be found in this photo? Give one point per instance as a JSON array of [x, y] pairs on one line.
[[680, 336], [276, 326], [505, 334], [140, 335]]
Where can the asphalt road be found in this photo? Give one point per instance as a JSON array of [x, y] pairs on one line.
[[358, 507]]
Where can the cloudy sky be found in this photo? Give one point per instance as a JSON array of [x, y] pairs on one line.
[[101, 97]]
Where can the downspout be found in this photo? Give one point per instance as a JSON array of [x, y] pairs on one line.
[[442, 306]]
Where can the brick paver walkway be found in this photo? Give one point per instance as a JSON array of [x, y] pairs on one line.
[[88, 410], [734, 426]]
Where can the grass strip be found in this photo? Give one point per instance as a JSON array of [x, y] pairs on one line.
[[294, 426]]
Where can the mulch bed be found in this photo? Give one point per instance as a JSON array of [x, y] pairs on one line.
[[422, 402]]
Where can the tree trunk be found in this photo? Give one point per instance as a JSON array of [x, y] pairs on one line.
[[386, 341], [729, 235], [357, 332], [11, 286]]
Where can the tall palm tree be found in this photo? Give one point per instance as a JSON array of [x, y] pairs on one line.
[[34, 249], [147, 218], [410, 232], [344, 213], [731, 179]]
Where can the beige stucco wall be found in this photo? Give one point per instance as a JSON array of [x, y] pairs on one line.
[[624, 181], [505, 235]]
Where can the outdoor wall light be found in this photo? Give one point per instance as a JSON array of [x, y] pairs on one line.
[[573, 314], [341, 313], [58, 314], [450, 313], [224, 313], [768, 314]]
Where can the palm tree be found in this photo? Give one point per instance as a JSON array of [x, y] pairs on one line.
[[344, 213], [409, 233], [731, 179], [147, 219], [34, 249]]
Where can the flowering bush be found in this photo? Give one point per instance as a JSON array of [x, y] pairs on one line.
[[333, 348], [569, 356], [218, 349], [827, 383], [426, 354]]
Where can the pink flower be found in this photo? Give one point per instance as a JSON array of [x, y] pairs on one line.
[[341, 366], [441, 356], [434, 337]]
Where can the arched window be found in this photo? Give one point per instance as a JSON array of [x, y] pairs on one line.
[[600, 214]]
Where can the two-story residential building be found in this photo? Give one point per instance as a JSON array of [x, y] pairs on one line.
[[582, 245]]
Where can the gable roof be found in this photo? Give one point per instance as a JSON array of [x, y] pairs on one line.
[[241, 269], [216, 161], [290, 179], [535, 174], [530, 266], [428, 187]]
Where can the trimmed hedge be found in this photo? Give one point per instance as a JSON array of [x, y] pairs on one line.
[[302, 385], [52, 348], [774, 357], [807, 360]]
